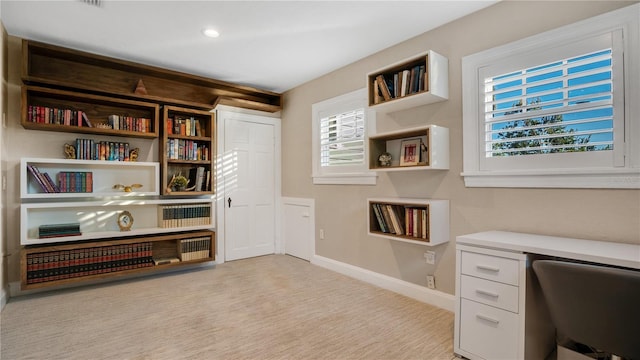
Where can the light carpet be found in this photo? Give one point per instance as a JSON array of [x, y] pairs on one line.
[[271, 307]]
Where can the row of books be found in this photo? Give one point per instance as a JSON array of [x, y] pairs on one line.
[[179, 149], [401, 220], [200, 178], [88, 149], [75, 181], [184, 126], [47, 115], [67, 264], [171, 216], [57, 230], [400, 84], [194, 249], [72, 117], [67, 181], [129, 123]]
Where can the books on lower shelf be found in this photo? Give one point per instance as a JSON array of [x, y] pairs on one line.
[[58, 230], [194, 249], [402, 220], [73, 263], [170, 216]]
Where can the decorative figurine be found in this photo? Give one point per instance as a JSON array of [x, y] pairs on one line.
[[385, 159], [133, 154], [69, 151], [127, 188]]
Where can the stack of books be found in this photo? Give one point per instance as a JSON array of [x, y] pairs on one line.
[[58, 230]]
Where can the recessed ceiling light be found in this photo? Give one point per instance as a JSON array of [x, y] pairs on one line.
[[210, 33]]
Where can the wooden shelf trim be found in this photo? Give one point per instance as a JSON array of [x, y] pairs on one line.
[[169, 240], [437, 221], [63, 67]]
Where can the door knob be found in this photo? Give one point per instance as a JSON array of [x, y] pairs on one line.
[[229, 201]]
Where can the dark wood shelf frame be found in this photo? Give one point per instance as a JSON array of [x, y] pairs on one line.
[[170, 167], [162, 245], [65, 68], [97, 108]]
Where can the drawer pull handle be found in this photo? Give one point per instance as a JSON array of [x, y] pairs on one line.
[[488, 268], [487, 293], [487, 318]]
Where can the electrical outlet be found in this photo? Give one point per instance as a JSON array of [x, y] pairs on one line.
[[430, 257], [431, 281]]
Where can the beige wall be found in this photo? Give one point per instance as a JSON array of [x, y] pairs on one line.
[[3, 109], [611, 215]]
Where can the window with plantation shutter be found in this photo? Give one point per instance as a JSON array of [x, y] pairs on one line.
[[558, 109], [339, 140], [564, 106], [342, 139]]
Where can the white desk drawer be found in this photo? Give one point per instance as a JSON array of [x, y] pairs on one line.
[[488, 332], [490, 267], [489, 292]]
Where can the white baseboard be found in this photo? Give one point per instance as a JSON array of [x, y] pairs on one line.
[[417, 292]]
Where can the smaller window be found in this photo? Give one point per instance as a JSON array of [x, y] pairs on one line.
[[340, 140]]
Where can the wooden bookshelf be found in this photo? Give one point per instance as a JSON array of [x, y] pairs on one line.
[[64, 68], [59, 264], [186, 130], [416, 221], [427, 76], [39, 105]]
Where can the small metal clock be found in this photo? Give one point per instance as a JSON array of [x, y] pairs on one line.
[[125, 221]]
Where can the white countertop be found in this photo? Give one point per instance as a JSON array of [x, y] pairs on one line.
[[611, 253]]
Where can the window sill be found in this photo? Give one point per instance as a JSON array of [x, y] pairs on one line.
[[346, 179], [577, 179]]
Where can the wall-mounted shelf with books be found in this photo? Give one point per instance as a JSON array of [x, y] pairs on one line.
[[67, 111], [421, 148], [67, 263], [416, 221], [99, 219], [104, 175], [188, 149], [419, 80]]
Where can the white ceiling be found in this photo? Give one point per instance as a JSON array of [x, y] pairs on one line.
[[272, 45]]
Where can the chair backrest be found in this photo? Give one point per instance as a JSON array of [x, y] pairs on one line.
[[595, 305]]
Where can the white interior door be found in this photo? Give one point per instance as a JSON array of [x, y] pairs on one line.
[[249, 178]]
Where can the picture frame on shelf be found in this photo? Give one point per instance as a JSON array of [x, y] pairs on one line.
[[410, 152]]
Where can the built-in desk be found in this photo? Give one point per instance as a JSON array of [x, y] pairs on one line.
[[500, 312]]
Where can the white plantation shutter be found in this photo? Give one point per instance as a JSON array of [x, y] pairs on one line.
[[339, 140], [563, 106], [342, 139], [559, 109]]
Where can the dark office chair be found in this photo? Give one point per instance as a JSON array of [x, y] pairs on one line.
[[594, 305]]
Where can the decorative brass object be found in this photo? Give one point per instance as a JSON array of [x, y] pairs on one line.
[[127, 188]]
